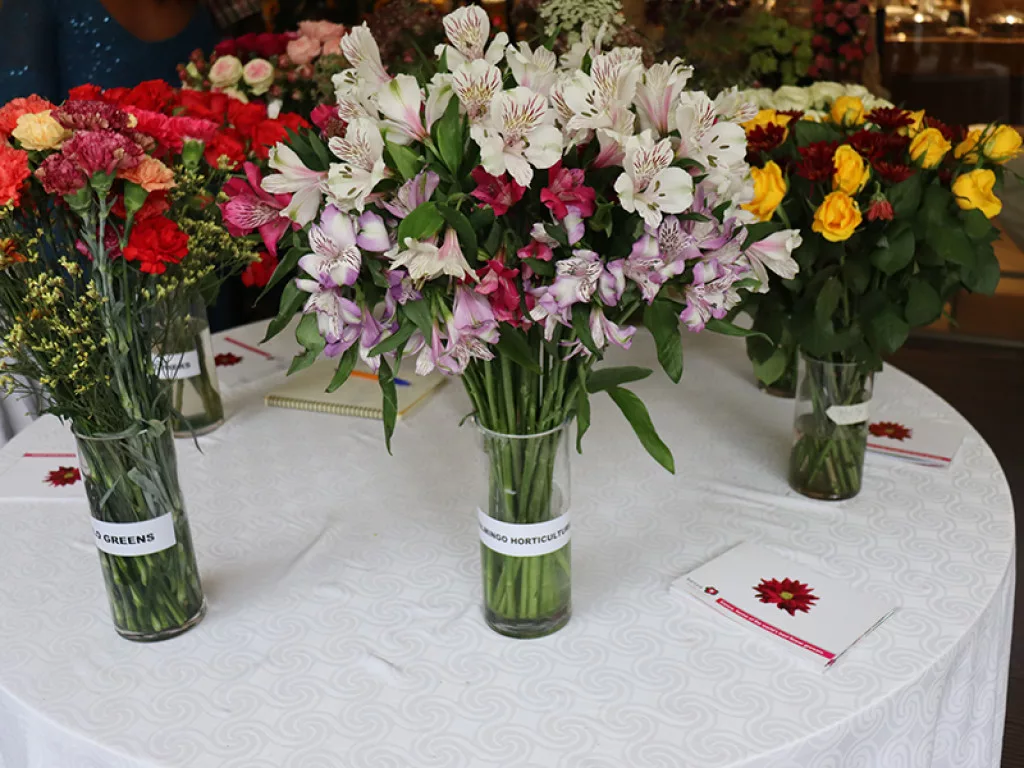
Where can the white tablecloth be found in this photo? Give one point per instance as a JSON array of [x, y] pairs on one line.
[[344, 625]]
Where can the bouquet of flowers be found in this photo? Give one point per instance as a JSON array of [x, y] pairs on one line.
[[894, 208], [507, 221], [105, 235], [286, 70]]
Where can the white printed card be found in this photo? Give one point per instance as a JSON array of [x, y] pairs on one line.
[[799, 609], [239, 362], [913, 438], [43, 475]]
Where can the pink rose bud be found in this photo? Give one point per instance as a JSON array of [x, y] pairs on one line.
[[303, 50], [258, 75], [321, 31]]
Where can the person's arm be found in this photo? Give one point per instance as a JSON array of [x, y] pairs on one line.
[[28, 50]]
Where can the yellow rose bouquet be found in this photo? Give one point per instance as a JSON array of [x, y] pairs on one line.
[[894, 210]]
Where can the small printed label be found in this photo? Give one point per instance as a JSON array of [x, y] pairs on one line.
[[529, 540], [135, 539], [845, 415], [181, 365]]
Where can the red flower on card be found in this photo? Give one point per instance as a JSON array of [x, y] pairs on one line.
[[789, 595], [891, 429], [226, 359], [63, 476]]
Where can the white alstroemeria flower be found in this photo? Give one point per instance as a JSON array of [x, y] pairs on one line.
[[518, 135], [439, 93], [400, 100], [354, 95], [649, 185], [656, 94], [591, 40], [294, 178], [425, 261], [774, 253], [532, 69], [467, 29], [476, 83], [732, 105], [694, 116], [350, 182], [335, 243], [596, 99], [361, 51], [612, 141]]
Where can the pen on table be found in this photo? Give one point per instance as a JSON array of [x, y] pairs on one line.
[[375, 377]]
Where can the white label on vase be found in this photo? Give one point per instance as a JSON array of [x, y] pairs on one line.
[[527, 540], [135, 539], [180, 365], [845, 415]]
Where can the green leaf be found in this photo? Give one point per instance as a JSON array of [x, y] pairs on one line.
[[983, 276], [308, 333], [320, 150], [395, 340], [976, 224], [285, 267], [602, 218], [888, 330], [769, 371], [639, 419], [606, 378], [346, 365], [386, 379], [465, 231], [291, 300], [512, 344], [421, 223], [905, 197], [419, 313], [726, 328], [662, 320], [952, 245], [759, 231], [582, 412], [807, 132], [558, 234], [896, 251], [581, 324], [542, 268], [923, 303], [451, 137], [404, 159], [828, 300], [935, 205], [493, 241]]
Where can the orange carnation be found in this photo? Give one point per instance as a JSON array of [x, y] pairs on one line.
[[150, 174], [13, 172], [12, 110]]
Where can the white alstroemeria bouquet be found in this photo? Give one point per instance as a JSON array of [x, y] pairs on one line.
[[506, 222]]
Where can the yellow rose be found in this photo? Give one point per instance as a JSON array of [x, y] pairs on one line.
[[848, 110], [851, 173], [967, 150], [767, 117], [39, 131], [929, 147], [974, 190], [915, 127], [769, 189], [837, 217], [1001, 145]]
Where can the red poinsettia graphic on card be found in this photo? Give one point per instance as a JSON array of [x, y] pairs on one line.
[[789, 595], [63, 476], [891, 429], [226, 359]]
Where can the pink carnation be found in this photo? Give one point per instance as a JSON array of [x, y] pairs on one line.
[[95, 152], [91, 116], [59, 176]]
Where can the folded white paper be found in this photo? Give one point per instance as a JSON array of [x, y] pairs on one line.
[[239, 362], [42, 475], [913, 438]]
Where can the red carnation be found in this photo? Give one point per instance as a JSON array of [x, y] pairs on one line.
[[154, 95], [893, 172], [499, 192], [815, 163], [87, 92], [13, 172], [890, 118], [205, 104], [891, 430], [193, 128], [789, 595], [245, 117], [156, 242], [258, 274], [227, 150], [12, 110], [63, 476], [156, 204]]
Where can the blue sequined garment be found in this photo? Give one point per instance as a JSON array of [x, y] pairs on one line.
[[49, 46]]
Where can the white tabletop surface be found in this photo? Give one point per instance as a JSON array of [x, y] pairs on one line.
[[344, 627]]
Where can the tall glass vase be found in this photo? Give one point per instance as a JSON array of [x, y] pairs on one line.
[[524, 532], [830, 429], [185, 360], [142, 532], [785, 385]]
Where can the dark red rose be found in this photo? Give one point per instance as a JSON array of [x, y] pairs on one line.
[[227, 47], [815, 163], [264, 44], [156, 242], [258, 274]]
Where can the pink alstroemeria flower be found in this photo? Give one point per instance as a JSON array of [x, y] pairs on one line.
[[499, 192], [250, 208], [566, 192]]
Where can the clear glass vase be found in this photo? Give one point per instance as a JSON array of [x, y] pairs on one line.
[[142, 532], [524, 532], [185, 360], [785, 385], [830, 429]]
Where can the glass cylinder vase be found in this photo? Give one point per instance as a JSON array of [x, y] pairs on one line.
[[185, 360], [785, 385], [524, 532], [830, 429], [142, 532]]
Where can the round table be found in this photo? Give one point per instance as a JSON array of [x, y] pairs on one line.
[[344, 624]]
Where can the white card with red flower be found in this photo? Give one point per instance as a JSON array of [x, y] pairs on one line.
[[915, 439], [43, 475], [801, 610], [241, 362]]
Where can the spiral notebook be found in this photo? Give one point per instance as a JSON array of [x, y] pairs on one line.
[[359, 396]]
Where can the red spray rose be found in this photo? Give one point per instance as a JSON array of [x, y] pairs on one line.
[[156, 242]]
